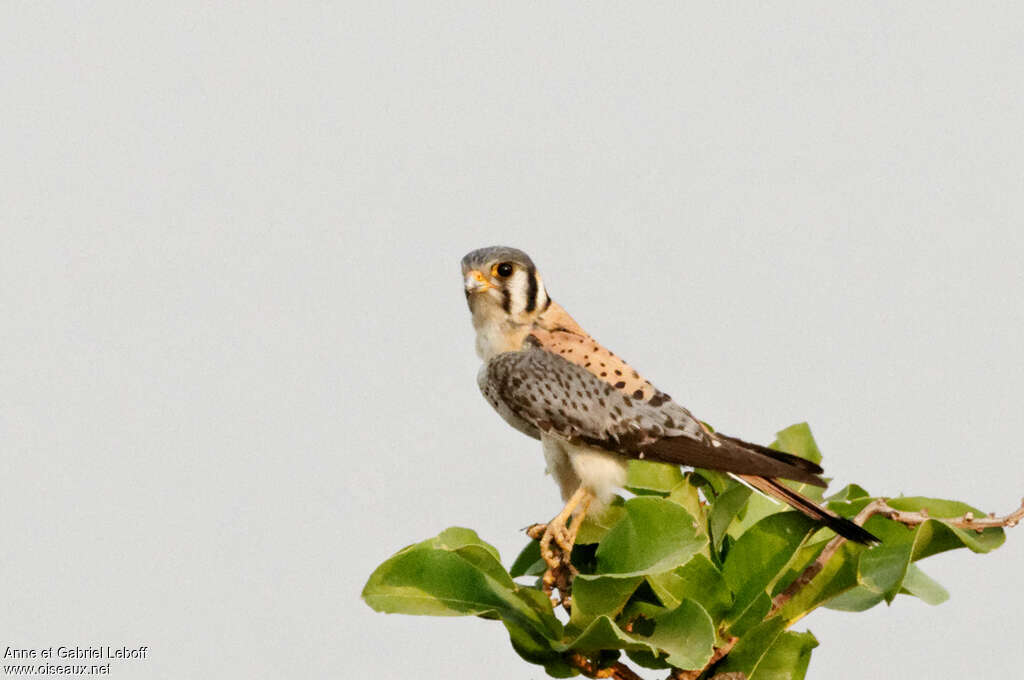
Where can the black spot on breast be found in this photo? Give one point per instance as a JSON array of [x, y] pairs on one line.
[[638, 394], [618, 372], [620, 385], [628, 401]]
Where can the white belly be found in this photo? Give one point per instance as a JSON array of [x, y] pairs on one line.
[[601, 472]]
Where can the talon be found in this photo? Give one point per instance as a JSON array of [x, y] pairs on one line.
[[584, 507], [564, 539], [535, 531], [546, 553], [558, 557], [557, 529]]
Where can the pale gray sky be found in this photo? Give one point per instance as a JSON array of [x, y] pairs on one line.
[[237, 371]]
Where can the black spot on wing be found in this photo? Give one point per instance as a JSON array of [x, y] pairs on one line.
[[564, 399], [658, 399]]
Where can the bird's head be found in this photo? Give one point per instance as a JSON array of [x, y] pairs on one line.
[[503, 285]]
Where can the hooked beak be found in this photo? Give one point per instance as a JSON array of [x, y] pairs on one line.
[[476, 282]]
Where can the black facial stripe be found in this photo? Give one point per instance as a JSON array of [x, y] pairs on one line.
[[531, 290], [506, 300], [547, 304]]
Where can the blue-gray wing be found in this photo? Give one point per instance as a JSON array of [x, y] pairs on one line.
[[537, 391]]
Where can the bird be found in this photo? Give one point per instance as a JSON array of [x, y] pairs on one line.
[[592, 412]]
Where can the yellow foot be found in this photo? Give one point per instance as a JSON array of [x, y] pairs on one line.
[[556, 542]]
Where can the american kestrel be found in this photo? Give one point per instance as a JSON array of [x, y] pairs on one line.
[[592, 411]]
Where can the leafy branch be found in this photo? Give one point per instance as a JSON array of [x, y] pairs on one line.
[[694, 575], [880, 506], [967, 521]]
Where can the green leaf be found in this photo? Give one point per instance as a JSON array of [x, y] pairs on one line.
[[884, 567], [686, 634], [770, 653], [849, 493], [457, 574], [802, 558], [849, 508], [723, 510], [798, 440], [715, 481], [687, 494], [595, 527], [603, 633], [751, 614], [698, 580], [594, 596], [838, 576], [857, 599], [645, 477], [923, 586], [471, 548], [983, 542], [936, 507], [536, 648], [653, 536], [640, 610], [529, 562], [647, 660], [759, 556], [447, 575], [751, 649], [787, 659], [757, 508]]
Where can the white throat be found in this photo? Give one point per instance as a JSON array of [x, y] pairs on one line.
[[496, 334]]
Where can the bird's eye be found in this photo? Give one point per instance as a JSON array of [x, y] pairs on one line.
[[504, 269]]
